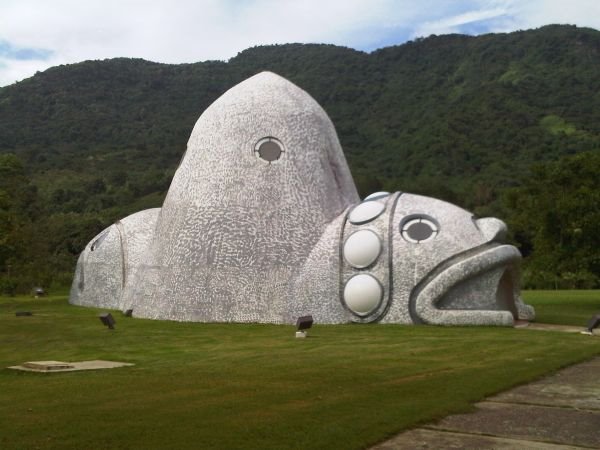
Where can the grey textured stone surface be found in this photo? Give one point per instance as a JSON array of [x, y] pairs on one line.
[[235, 229], [435, 439], [539, 423], [109, 263], [574, 387], [254, 224]]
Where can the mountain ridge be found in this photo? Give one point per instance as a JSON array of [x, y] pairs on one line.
[[462, 118]]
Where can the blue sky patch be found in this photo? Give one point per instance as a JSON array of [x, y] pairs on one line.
[[9, 51], [482, 26]]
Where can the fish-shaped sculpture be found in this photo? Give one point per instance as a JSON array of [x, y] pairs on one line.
[[263, 223]]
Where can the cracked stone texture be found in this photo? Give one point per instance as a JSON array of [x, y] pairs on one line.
[[110, 262], [465, 258], [235, 229], [382, 226], [242, 239], [98, 280], [318, 281]]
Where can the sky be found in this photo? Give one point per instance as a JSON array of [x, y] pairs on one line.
[[38, 34]]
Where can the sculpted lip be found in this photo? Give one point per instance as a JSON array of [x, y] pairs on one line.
[[426, 297]]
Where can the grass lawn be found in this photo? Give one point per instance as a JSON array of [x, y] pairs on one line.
[[564, 307], [197, 386]]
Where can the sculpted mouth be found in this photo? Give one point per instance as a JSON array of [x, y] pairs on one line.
[[475, 287]]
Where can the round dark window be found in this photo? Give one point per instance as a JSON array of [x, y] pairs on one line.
[[269, 149], [419, 229]]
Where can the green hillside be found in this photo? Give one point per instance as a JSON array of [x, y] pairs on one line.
[[457, 117]]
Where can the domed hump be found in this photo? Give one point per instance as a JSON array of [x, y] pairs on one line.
[[263, 176], [137, 231], [111, 260], [267, 138], [98, 278]]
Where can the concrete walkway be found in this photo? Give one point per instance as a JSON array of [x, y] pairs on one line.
[[558, 412]]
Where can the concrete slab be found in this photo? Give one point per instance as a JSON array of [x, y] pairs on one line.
[[60, 366], [536, 423], [434, 439], [522, 325], [47, 365], [561, 411], [576, 387]]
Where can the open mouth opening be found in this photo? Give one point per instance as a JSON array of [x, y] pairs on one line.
[[479, 287], [507, 292], [494, 289]]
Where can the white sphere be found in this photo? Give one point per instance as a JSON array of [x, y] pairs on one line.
[[376, 195], [365, 212], [362, 248], [362, 294]]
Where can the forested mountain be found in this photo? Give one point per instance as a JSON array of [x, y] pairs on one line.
[[458, 117]]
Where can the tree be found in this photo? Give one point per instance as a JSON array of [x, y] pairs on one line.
[[13, 216], [557, 212]]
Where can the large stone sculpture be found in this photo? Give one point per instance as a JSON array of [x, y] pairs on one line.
[[262, 223]]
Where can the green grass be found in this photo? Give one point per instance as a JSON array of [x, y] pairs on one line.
[[564, 307], [250, 386]]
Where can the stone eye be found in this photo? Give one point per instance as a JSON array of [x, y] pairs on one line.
[[419, 229]]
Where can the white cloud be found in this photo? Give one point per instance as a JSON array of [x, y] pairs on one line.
[[583, 13], [175, 31], [196, 30], [12, 70], [454, 24]]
